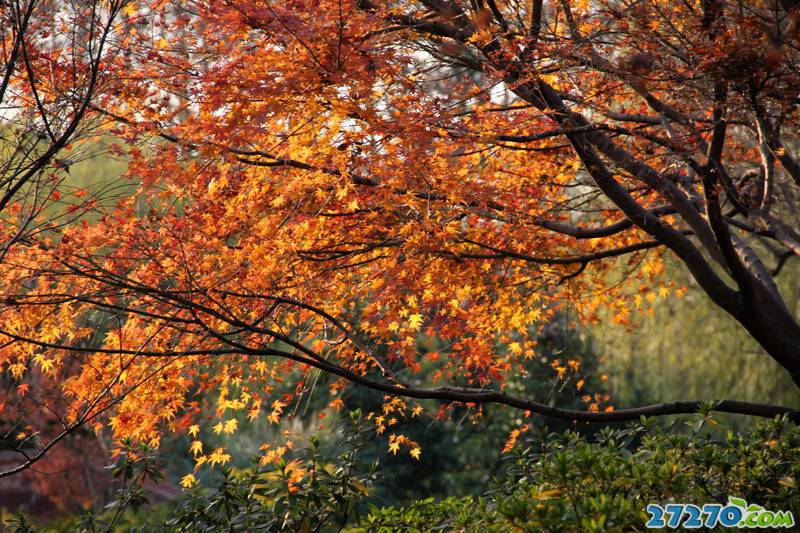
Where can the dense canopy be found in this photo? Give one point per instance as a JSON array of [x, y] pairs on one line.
[[319, 184]]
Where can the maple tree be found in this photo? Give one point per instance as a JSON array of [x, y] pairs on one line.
[[322, 182], [51, 70], [51, 62]]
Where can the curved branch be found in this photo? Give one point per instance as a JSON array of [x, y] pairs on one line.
[[569, 260], [485, 396]]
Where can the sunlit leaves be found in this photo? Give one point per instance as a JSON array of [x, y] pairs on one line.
[[318, 191]]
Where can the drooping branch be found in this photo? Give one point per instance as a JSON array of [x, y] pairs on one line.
[[262, 158], [464, 395]]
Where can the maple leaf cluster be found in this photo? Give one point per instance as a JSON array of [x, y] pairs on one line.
[[319, 184]]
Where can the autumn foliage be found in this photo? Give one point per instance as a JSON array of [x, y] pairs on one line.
[[320, 183]]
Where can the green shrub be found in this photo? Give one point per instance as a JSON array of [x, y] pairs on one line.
[[554, 482], [565, 483]]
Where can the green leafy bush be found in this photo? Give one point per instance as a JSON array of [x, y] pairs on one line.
[[309, 493], [554, 482], [565, 483]]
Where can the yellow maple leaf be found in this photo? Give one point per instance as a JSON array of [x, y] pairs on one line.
[[196, 448], [131, 9], [230, 426], [188, 481], [219, 457], [277, 409]]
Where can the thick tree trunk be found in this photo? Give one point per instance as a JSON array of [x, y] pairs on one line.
[[759, 310], [773, 327]]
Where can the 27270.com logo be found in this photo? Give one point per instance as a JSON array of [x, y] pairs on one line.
[[737, 513]]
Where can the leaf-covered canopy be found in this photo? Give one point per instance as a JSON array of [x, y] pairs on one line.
[[323, 182]]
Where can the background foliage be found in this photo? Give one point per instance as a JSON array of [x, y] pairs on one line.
[[555, 482]]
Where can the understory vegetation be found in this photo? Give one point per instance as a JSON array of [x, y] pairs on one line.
[[550, 482]]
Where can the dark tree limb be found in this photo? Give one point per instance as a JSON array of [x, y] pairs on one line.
[[465, 395]]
